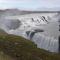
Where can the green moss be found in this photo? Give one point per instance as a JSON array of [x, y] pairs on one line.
[[23, 49]]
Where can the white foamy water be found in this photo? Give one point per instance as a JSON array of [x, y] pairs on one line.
[[48, 39]]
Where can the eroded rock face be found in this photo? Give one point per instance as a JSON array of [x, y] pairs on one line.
[[30, 34]]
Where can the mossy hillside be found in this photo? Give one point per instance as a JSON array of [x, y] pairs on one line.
[[22, 49], [2, 32]]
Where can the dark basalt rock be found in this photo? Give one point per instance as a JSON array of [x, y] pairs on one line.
[[31, 34], [59, 43], [39, 30], [27, 32], [44, 19]]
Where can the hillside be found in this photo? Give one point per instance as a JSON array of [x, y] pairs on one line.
[[12, 12], [21, 49], [2, 32]]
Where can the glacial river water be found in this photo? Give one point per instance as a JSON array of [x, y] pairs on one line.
[[47, 40]]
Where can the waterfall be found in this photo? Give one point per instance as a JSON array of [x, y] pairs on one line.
[[45, 42], [28, 26]]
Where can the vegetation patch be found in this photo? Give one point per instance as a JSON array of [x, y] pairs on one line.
[[20, 48]]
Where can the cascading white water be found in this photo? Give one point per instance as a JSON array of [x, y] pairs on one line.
[[42, 39], [45, 42]]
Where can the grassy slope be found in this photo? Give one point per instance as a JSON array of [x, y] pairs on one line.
[[22, 49], [4, 56]]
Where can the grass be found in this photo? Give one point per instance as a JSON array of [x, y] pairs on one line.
[[20, 48], [4, 56]]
